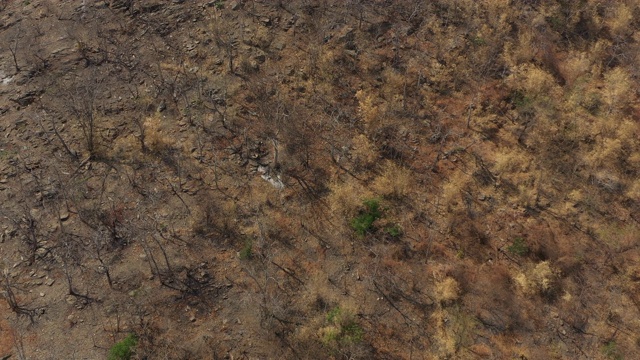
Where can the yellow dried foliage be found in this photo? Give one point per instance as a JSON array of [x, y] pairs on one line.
[[618, 236], [617, 89], [519, 51], [633, 191], [539, 279], [576, 65], [534, 81], [619, 20], [125, 146], [451, 189], [447, 290], [363, 152], [511, 161], [346, 197], [605, 154], [394, 181], [156, 137], [368, 108]]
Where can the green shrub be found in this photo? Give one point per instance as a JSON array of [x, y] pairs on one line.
[[122, 350], [518, 247], [610, 350], [394, 231], [342, 328], [363, 223], [246, 253]]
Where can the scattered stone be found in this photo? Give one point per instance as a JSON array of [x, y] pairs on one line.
[[192, 318], [41, 294], [28, 98], [260, 58], [49, 282], [235, 5], [64, 216], [265, 21], [162, 106], [279, 45], [266, 175], [345, 35], [70, 299]]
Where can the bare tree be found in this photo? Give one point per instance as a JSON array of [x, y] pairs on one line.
[[82, 105], [56, 132], [13, 48], [8, 293], [226, 41]]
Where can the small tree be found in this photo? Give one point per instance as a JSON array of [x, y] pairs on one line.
[[123, 350], [363, 223]]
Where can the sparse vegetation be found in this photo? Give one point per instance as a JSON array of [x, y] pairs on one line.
[[363, 223], [123, 350], [394, 230], [342, 328], [518, 247], [610, 351], [246, 253], [320, 179]]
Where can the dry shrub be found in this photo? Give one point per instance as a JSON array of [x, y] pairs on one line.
[[481, 350], [394, 181], [576, 65], [213, 219], [521, 50], [510, 161], [633, 190], [534, 82], [540, 279], [447, 290], [618, 89], [157, 138], [364, 153], [605, 153], [451, 191], [618, 236], [346, 197], [455, 330], [369, 109], [619, 20], [126, 147], [490, 297], [598, 53]]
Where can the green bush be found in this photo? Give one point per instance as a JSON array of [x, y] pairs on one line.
[[363, 223], [518, 247], [395, 231], [247, 250], [122, 350], [610, 350], [342, 328]]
